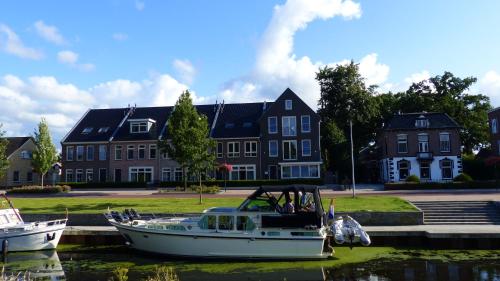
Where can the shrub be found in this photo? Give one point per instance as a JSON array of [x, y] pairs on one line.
[[245, 183], [463, 177], [442, 185], [412, 178], [39, 189], [106, 184]]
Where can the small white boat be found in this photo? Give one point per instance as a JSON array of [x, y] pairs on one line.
[[347, 229], [272, 223], [17, 235]]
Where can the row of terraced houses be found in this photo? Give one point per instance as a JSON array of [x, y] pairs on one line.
[[265, 140]]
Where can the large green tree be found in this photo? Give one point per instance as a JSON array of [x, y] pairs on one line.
[[44, 154], [451, 95], [189, 142], [345, 97], [4, 163]]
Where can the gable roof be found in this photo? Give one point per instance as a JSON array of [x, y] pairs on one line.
[[238, 120], [287, 94], [14, 144], [96, 119], [406, 121]]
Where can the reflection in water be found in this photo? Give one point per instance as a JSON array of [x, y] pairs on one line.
[[45, 265]]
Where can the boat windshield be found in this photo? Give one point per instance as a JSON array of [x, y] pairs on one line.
[[259, 204]]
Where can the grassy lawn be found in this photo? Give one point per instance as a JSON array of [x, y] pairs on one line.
[[187, 205]]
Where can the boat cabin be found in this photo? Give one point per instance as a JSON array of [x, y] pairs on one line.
[[9, 217]]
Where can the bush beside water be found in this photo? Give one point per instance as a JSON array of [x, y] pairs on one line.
[[412, 179], [39, 189], [192, 188]]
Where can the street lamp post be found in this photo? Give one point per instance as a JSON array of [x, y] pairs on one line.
[[352, 161]]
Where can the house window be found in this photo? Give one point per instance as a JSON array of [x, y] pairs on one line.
[[220, 150], [273, 148], [404, 169], [103, 175], [290, 150], [289, 126], [444, 142], [152, 151], [89, 175], [165, 174], [272, 125], [141, 151], [79, 153], [87, 130], [421, 123], [299, 171], [79, 175], [118, 152], [288, 104], [15, 176], [29, 176], [25, 154], [402, 143], [139, 127], [165, 155], [90, 153], [242, 172], [102, 152], [494, 124], [423, 143], [130, 152], [233, 149], [306, 147], [425, 170], [178, 174], [305, 123], [103, 130], [141, 174], [250, 149], [69, 153], [69, 175], [446, 169]]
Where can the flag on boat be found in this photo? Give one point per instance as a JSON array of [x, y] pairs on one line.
[[331, 211]]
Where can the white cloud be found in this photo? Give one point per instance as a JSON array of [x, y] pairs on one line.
[[12, 44], [185, 70], [417, 77], [120, 36], [71, 58], [49, 33], [490, 86], [277, 67], [139, 5]]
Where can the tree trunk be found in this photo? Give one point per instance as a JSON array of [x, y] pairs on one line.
[[201, 190], [184, 177], [42, 179]]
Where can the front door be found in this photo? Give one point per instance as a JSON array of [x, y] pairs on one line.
[[273, 172], [118, 175], [102, 175]]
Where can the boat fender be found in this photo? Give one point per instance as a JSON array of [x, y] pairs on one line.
[[5, 247], [365, 238]]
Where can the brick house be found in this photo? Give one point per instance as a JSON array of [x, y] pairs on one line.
[[493, 118], [20, 171], [423, 144], [274, 140]]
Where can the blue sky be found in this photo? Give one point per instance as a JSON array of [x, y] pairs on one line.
[[57, 59]]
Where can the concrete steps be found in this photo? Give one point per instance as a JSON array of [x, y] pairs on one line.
[[459, 212]]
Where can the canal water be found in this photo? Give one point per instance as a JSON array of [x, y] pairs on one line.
[[101, 263]]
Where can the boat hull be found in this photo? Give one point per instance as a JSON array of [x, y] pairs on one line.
[[223, 246], [45, 238]]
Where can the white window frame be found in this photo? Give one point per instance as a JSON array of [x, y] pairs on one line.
[[69, 172], [231, 153], [441, 142], [251, 152], [430, 170], [308, 117], [422, 123], [421, 146], [288, 105], [401, 141], [446, 167], [105, 152], [138, 169], [275, 131], [79, 172], [87, 173], [310, 147], [80, 148], [93, 153], [289, 147], [118, 148], [220, 149], [176, 171], [246, 168], [139, 148], [300, 170], [25, 154], [131, 147], [277, 148], [408, 167], [166, 170], [152, 146], [68, 154], [139, 127], [164, 155], [290, 133]]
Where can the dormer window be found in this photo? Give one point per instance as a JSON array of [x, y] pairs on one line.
[[288, 104], [87, 130], [103, 130], [140, 125], [422, 122]]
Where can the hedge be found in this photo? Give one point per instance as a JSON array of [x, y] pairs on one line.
[[442, 185], [220, 183], [39, 189]]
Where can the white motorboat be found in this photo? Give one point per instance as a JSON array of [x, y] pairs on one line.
[[17, 235], [272, 223]]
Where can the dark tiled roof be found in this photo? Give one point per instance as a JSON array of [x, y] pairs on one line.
[[14, 144], [208, 110], [96, 119], [159, 114], [406, 121], [239, 120]]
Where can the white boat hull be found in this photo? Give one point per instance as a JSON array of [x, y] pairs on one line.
[[43, 238], [220, 245]]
